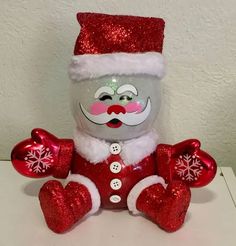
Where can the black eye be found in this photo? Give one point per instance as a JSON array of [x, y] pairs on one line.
[[105, 97], [125, 98]]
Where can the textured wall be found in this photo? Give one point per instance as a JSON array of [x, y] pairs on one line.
[[199, 91]]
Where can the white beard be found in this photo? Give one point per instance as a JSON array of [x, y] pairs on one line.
[[129, 119]]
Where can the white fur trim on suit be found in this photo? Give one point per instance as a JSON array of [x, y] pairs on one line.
[[98, 65], [138, 188], [95, 196], [92, 149], [133, 151]]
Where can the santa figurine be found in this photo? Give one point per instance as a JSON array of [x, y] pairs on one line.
[[115, 159]]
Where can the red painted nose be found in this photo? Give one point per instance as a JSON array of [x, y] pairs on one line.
[[116, 109]]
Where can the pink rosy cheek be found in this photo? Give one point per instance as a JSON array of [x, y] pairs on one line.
[[98, 108], [133, 107]]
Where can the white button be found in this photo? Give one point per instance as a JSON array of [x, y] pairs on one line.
[[115, 199], [115, 149], [115, 167], [115, 184]]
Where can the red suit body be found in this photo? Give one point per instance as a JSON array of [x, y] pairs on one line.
[[102, 175], [138, 174]]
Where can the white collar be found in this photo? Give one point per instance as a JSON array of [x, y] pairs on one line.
[[96, 150]]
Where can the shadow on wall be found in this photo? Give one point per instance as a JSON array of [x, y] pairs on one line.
[[220, 124], [162, 122]]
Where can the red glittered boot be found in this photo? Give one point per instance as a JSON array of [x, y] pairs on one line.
[[166, 207], [63, 207]]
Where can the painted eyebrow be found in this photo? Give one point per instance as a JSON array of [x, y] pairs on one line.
[[127, 87], [103, 89]]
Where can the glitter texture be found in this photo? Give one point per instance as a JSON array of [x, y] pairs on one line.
[[63, 207], [102, 33], [167, 208], [62, 168]]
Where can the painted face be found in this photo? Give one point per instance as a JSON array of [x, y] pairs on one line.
[[128, 110], [116, 107]]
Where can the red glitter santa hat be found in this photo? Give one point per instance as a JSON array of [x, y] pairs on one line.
[[117, 45]]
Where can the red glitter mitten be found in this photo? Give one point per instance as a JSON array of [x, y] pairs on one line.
[[42, 155], [187, 162]]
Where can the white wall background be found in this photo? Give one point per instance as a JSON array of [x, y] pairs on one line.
[[199, 91]]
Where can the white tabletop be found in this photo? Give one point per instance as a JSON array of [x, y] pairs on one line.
[[211, 219]]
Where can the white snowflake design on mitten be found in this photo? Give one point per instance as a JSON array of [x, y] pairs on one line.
[[188, 167], [39, 161]]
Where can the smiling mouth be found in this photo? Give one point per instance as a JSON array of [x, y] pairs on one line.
[[114, 123]]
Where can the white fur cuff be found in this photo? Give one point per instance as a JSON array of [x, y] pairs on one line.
[[98, 65], [95, 196], [138, 188]]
